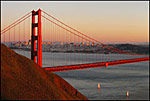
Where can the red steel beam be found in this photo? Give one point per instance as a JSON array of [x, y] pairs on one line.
[[93, 65], [33, 44], [36, 54], [39, 52]]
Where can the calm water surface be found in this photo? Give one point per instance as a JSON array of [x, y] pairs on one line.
[[114, 80]]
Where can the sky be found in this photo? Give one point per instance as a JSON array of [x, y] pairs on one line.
[[110, 21]]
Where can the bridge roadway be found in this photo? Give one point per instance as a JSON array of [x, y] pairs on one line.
[[94, 65]]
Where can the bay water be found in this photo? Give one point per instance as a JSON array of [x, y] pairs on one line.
[[114, 81]]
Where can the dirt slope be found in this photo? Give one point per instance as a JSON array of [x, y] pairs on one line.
[[22, 79]]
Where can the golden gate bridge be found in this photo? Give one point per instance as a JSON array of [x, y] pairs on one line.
[[82, 45]]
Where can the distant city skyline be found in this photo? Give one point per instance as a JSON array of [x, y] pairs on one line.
[[109, 22]]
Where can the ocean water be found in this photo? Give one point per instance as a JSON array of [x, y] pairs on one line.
[[114, 80]]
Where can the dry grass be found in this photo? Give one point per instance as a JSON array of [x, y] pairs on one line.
[[22, 79]]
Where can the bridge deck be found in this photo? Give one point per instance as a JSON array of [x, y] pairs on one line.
[[93, 65]]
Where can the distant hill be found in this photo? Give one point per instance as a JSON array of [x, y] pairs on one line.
[[142, 43], [134, 43], [138, 49], [22, 79]]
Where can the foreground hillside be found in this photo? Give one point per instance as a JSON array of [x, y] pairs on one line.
[[22, 79]]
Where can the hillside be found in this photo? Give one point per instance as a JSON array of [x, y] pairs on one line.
[[138, 49], [22, 79]]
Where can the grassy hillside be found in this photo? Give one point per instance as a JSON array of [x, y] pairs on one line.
[[22, 79]]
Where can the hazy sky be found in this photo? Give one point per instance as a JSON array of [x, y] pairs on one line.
[[109, 21]]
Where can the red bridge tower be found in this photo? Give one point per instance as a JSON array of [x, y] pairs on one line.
[[36, 39]]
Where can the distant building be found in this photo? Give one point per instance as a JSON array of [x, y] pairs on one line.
[[92, 43], [43, 43], [29, 42], [61, 43], [48, 43]]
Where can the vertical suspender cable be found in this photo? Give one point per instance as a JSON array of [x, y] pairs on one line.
[[28, 35], [82, 51], [14, 36], [51, 35], [85, 51], [88, 51], [19, 36], [74, 45], [44, 39], [24, 38], [49, 29], [66, 47], [93, 57], [4, 37], [96, 51], [9, 37], [78, 48], [102, 54], [53, 43], [70, 48]]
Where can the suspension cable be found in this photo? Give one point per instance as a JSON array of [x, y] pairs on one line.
[[89, 40], [90, 37]]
